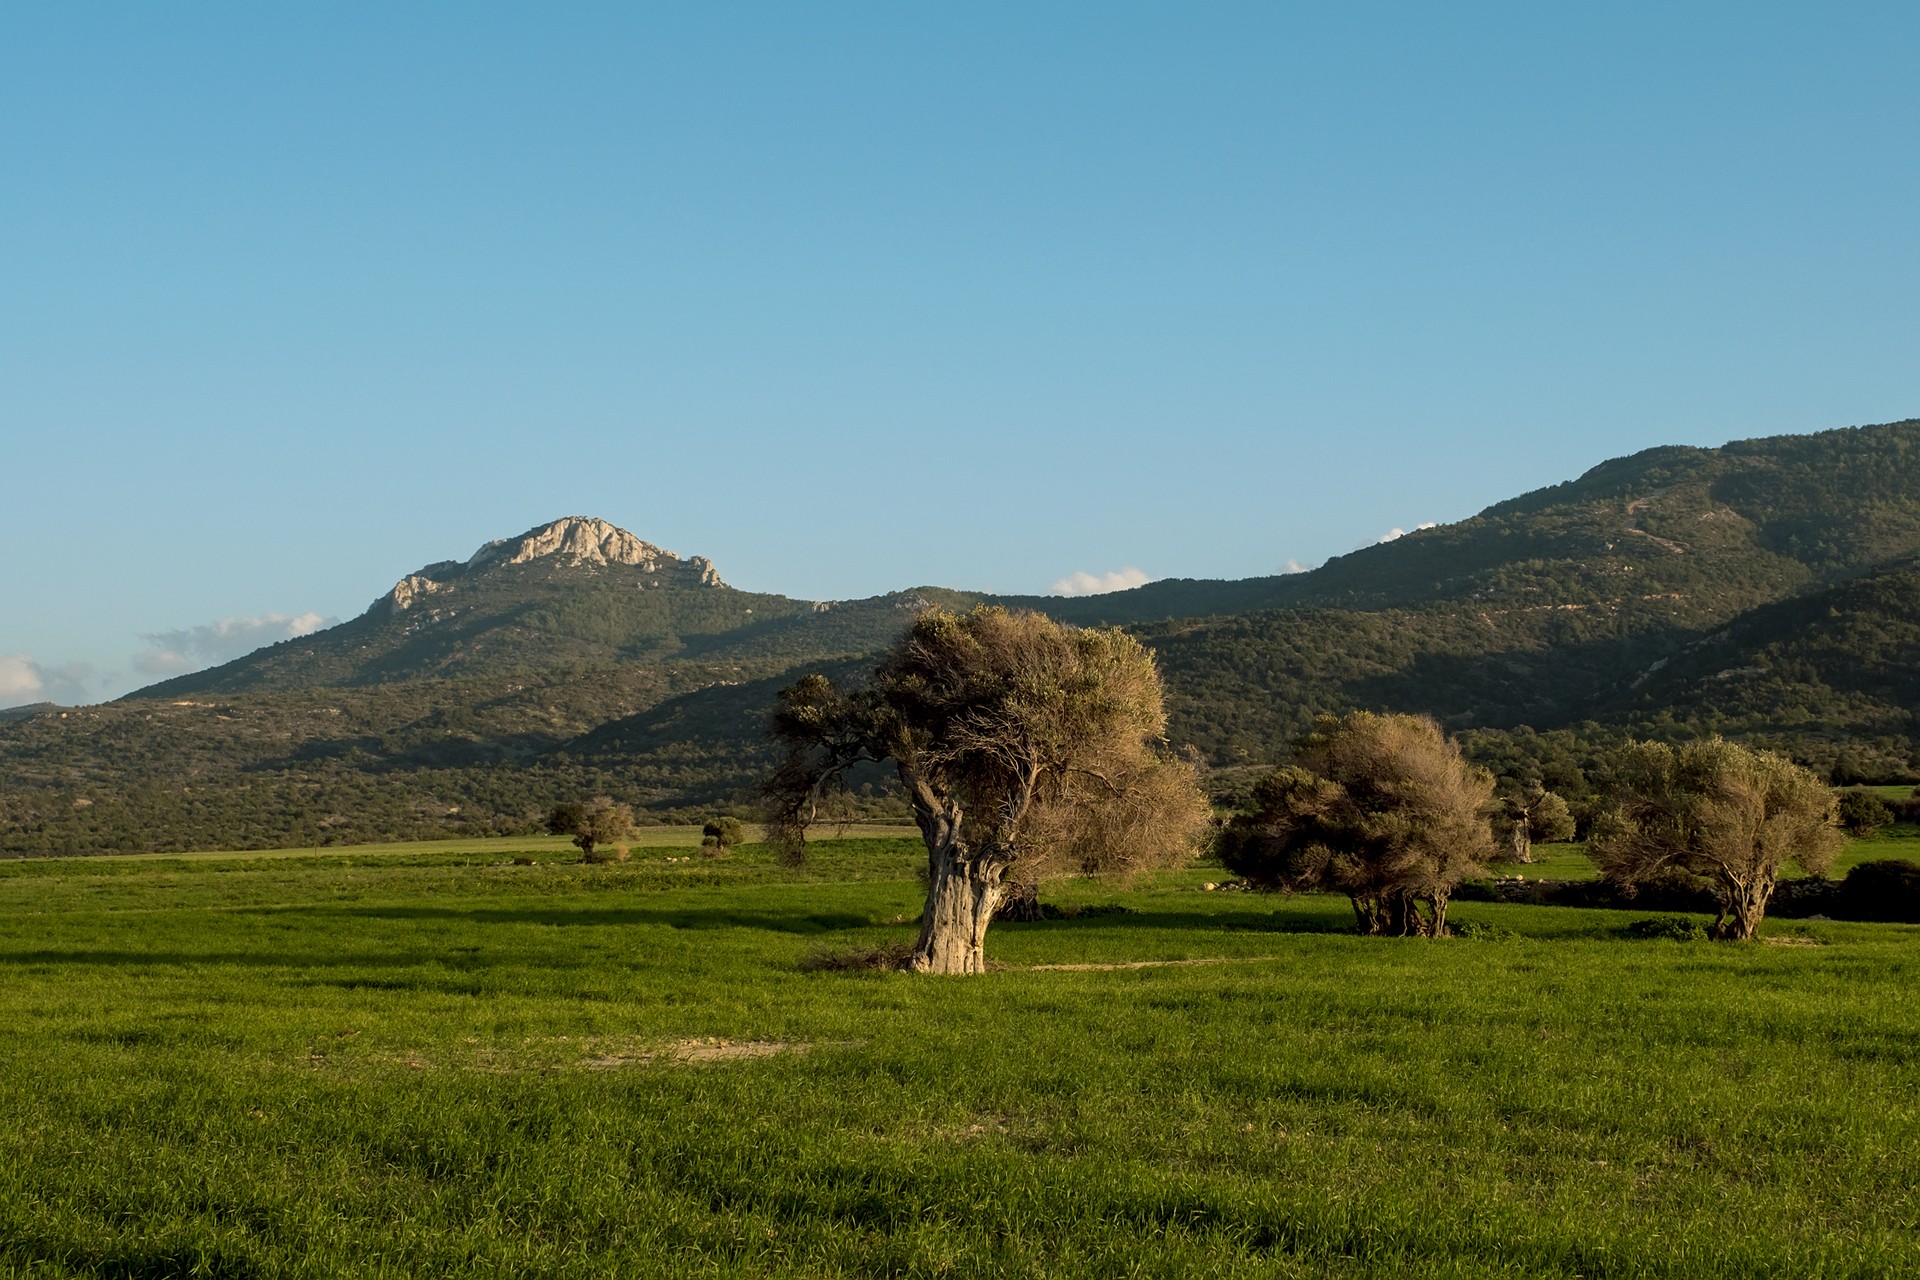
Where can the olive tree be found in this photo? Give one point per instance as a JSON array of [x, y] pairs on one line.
[[721, 834], [1717, 811], [1026, 748], [1382, 808], [1529, 815], [1862, 813], [591, 823]]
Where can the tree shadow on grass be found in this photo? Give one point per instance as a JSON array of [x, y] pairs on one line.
[[263, 959], [601, 917], [1275, 920], [1278, 920], [811, 924]]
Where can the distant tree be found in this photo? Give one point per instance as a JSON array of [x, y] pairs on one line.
[[1850, 769], [1382, 808], [1528, 815], [1026, 747], [591, 823], [1862, 813], [1725, 814], [721, 834]]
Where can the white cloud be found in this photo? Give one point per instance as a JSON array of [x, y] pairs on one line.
[[1396, 532], [172, 653], [1088, 584], [19, 679], [22, 680]]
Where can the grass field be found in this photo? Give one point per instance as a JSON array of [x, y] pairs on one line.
[[1899, 791], [433, 1062]]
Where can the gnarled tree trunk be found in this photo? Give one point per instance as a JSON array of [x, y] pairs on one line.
[[1743, 905], [961, 897], [1399, 914], [963, 887], [1521, 840]]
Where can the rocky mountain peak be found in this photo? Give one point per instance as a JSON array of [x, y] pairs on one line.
[[579, 539], [570, 540]]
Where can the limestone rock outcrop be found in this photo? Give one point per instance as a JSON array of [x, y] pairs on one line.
[[580, 539], [571, 541]]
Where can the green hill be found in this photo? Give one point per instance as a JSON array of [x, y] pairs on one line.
[[1839, 667], [1766, 589]]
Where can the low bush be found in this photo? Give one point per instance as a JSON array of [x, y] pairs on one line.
[[1862, 813], [886, 958], [721, 834], [1668, 929], [603, 854], [1668, 891], [1886, 889], [1802, 898], [1022, 905]]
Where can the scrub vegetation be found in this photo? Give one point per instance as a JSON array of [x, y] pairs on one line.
[[442, 1063]]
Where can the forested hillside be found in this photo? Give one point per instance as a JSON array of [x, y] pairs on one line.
[[1769, 589]]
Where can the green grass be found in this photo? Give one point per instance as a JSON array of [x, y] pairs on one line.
[[439, 1063], [1899, 841], [1552, 862], [1896, 791]]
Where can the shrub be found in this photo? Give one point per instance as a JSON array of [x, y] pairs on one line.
[[1727, 814], [1382, 808], [1808, 897], [1887, 889], [888, 957], [1862, 813], [721, 834], [592, 823], [1474, 931], [1668, 929]]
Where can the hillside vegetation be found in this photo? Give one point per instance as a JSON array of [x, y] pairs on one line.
[[1768, 589]]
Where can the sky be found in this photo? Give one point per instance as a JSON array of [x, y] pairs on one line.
[[852, 297]]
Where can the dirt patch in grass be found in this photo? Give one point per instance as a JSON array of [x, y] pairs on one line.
[[602, 1053], [697, 1051], [1142, 964]]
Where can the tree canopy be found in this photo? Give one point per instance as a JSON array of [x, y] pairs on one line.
[[591, 823], [1529, 814], [1716, 811], [1862, 813], [1026, 747], [1382, 808]]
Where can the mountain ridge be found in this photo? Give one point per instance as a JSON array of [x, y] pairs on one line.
[[579, 658]]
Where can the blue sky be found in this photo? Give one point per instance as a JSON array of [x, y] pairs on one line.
[[852, 297]]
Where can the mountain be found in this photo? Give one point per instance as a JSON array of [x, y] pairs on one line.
[[1669, 534], [1840, 664], [573, 594], [1767, 589]]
